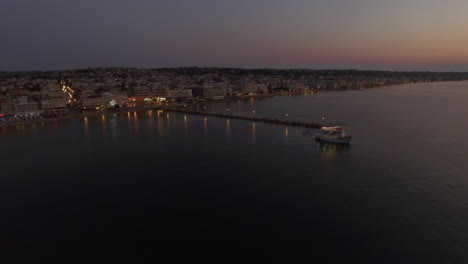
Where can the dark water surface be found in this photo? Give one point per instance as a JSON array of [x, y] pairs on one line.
[[399, 193]]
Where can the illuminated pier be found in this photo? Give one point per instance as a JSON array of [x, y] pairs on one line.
[[250, 118]]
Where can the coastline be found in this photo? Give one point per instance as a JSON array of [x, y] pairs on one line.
[[178, 106], [48, 120]]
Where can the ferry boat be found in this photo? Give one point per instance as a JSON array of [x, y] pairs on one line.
[[333, 134]]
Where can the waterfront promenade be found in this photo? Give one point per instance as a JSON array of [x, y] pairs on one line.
[[183, 111]]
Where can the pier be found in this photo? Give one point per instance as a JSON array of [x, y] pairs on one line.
[[249, 118]]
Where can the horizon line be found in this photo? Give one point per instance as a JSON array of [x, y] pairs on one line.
[[231, 68]]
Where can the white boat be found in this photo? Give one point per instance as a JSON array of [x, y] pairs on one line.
[[333, 134]]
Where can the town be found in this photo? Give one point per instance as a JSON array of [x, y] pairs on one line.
[[37, 96]]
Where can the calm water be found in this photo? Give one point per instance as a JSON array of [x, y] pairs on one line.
[[399, 193]]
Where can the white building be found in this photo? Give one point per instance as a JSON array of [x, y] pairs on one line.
[[54, 103], [254, 87], [20, 108], [295, 86], [114, 99], [251, 87], [212, 92], [93, 102], [142, 92]]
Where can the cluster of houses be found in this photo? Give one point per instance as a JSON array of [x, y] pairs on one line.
[[25, 98], [52, 94]]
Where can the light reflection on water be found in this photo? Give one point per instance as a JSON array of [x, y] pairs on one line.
[[160, 125], [20, 128], [103, 126], [254, 132], [114, 129], [391, 185], [112, 123], [86, 127], [205, 126], [136, 125], [150, 122], [163, 124], [328, 147]]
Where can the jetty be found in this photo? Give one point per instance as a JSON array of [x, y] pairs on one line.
[[248, 118]]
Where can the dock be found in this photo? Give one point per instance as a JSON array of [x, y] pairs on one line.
[[249, 118]]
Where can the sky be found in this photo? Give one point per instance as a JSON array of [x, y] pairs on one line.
[[316, 34]]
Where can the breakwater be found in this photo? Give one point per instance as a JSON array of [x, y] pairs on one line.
[[250, 118]]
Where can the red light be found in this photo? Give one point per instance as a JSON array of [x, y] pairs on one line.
[[2, 115]]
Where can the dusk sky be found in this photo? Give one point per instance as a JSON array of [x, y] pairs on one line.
[[360, 34]]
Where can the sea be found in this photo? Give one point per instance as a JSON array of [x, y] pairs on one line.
[[397, 194]]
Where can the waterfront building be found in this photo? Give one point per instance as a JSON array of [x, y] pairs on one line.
[[21, 108], [213, 93], [251, 87], [53, 103], [141, 93], [54, 107], [158, 92], [198, 91], [115, 99], [179, 93], [262, 87], [93, 103]]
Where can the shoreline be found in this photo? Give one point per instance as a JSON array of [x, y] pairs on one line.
[[176, 106], [48, 120]]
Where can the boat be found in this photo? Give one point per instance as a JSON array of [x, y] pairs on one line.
[[333, 134]]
